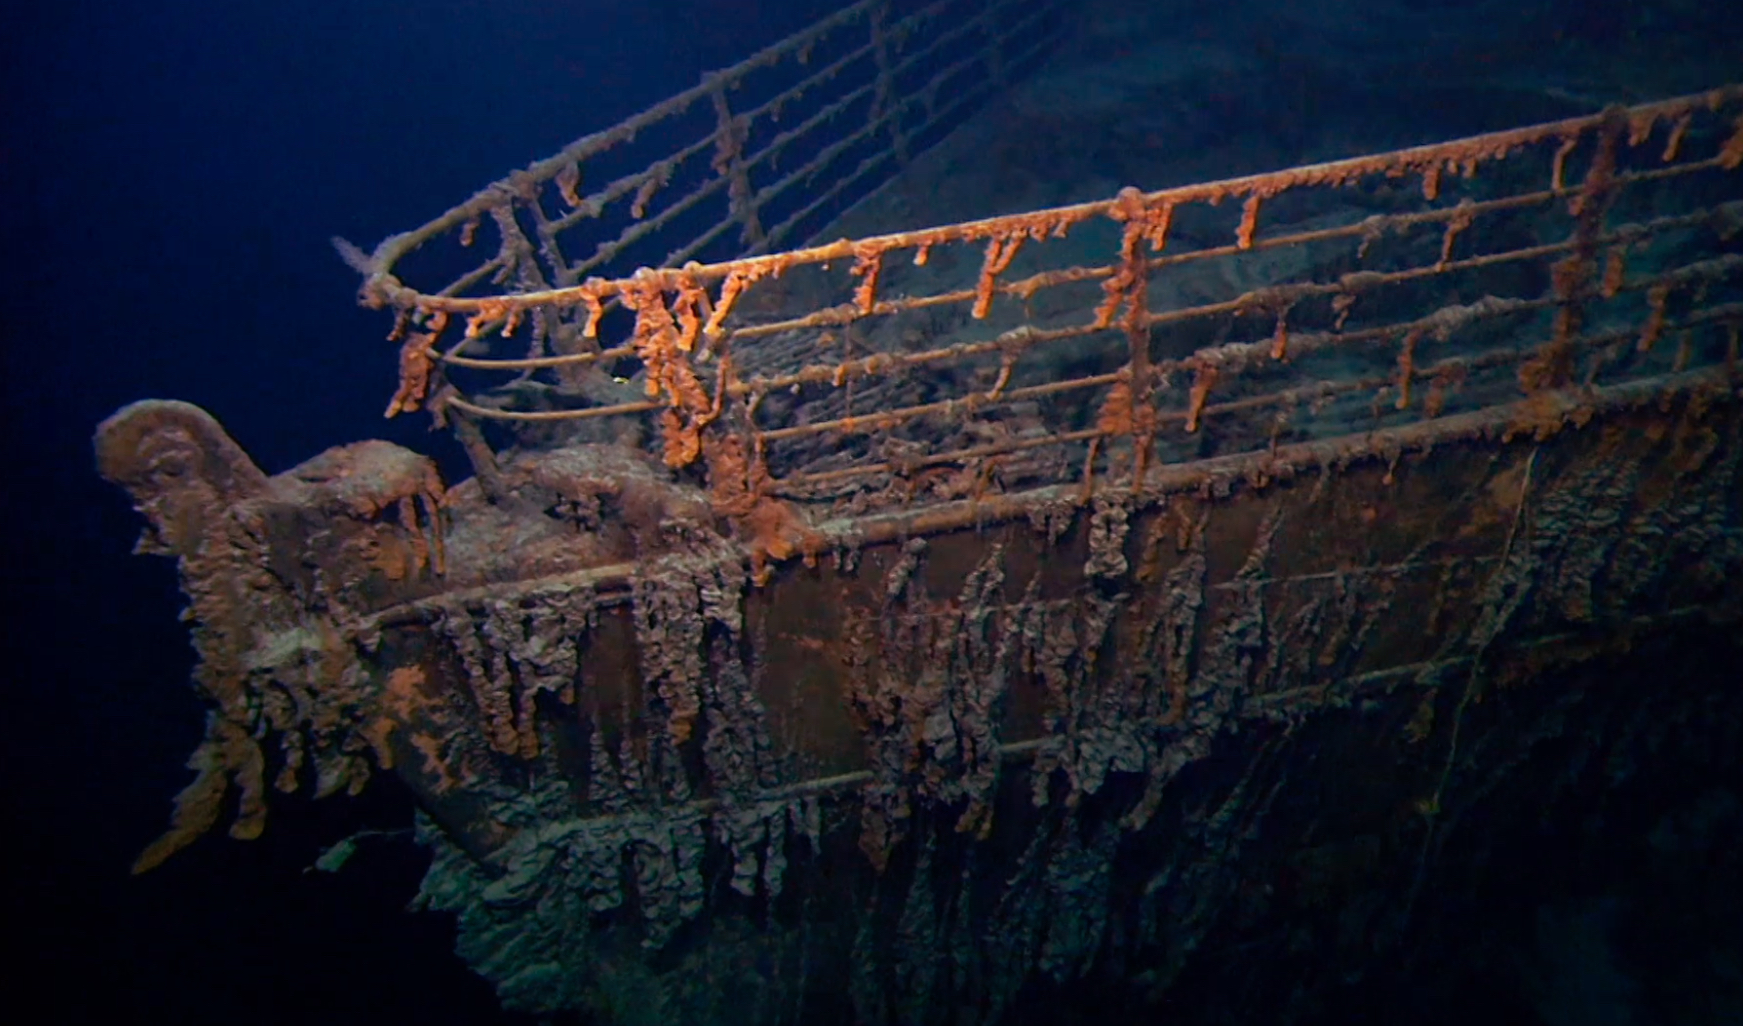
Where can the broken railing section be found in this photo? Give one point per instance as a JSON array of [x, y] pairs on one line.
[[1624, 214], [751, 159]]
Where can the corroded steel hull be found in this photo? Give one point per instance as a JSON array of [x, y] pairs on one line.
[[1148, 593], [955, 751]]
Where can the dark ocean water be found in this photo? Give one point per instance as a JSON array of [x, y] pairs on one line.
[[173, 172]]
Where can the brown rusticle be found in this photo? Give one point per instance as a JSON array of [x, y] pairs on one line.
[[931, 712], [737, 751], [1212, 629], [1086, 710], [492, 688], [1308, 662], [1107, 539], [278, 633], [1052, 518], [1074, 557], [985, 648], [739, 762], [1169, 633], [605, 788], [669, 637]]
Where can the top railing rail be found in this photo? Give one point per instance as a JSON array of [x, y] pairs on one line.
[[769, 147], [1098, 341]]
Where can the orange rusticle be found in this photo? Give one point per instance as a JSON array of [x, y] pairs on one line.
[[663, 344], [1121, 415], [1202, 383], [868, 262], [1731, 154], [772, 529], [415, 367]]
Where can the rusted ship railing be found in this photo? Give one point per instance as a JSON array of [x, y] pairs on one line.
[[1212, 405], [1319, 301], [771, 147]]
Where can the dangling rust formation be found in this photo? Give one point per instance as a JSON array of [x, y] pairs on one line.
[[277, 632], [941, 614]]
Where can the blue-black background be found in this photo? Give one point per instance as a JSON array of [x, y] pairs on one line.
[[172, 173]]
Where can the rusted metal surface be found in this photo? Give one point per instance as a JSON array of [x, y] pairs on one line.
[[751, 159], [1028, 688], [985, 605], [1583, 252]]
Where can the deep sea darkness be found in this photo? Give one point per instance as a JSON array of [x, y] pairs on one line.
[[172, 174]]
